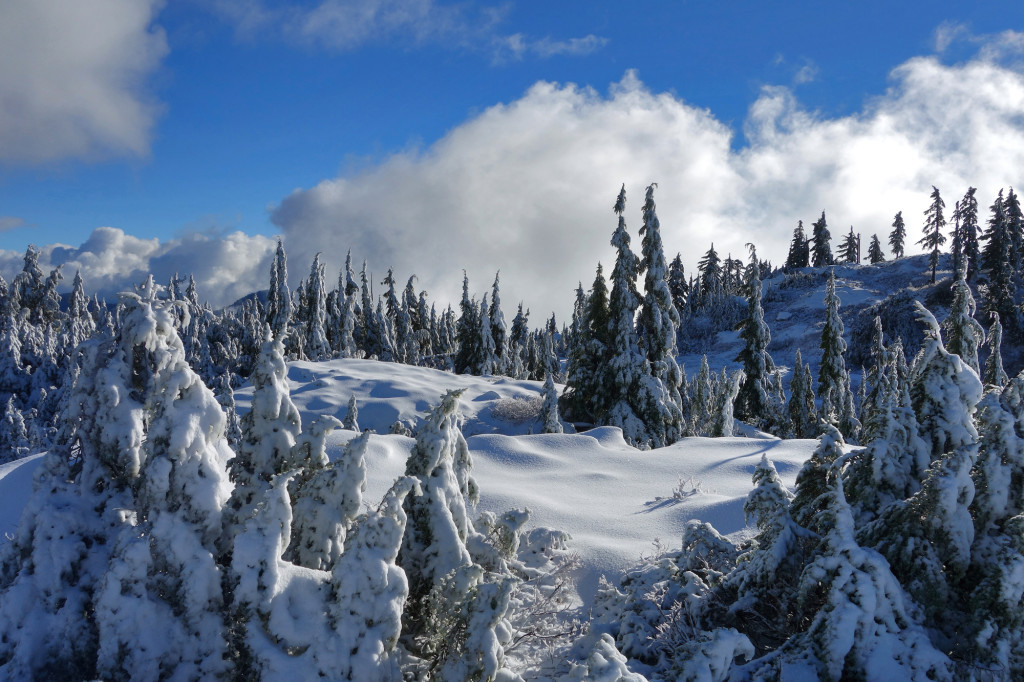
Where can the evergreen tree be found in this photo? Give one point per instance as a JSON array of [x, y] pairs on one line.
[[677, 284], [963, 333], [799, 249], [585, 395], [802, 413], [351, 421], [711, 277], [821, 250], [499, 331], [702, 402], [279, 298], [1015, 229], [755, 402], [898, 236], [997, 263], [833, 379], [875, 254], [965, 219], [549, 408], [994, 374], [934, 222], [849, 250], [317, 347], [658, 319], [722, 414], [468, 332]]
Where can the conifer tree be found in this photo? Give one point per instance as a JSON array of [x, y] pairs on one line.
[[934, 222], [755, 402], [317, 347], [963, 333], [677, 284], [499, 331], [994, 374], [821, 250], [487, 360], [898, 236], [965, 218], [351, 421], [549, 408], [658, 319], [802, 413], [861, 626], [997, 263], [702, 402], [722, 415], [279, 297], [799, 248], [638, 402], [1015, 229], [833, 379], [849, 250], [468, 333], [875, 254], [813, 478], [585, 395], [711, 277]]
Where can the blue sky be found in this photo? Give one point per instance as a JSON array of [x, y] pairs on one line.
[[202, 117]]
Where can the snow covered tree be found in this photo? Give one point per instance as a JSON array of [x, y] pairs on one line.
[[487, 361], [861, 624], [813, 479], [766, 575], [875, 253], [658, 319], [994, 374], [279, 297], [163, 570], [585, 395], [833, 379], [351, 421], [821, 250], [709, 267], [799, 249], [499, 331], [317, 347], [722, 416], [13, 434], [226, 398], [944, 390], [997, 263], [269, 432], [638, 402], [468, 333], [934, 222], [677, 284], [454, 606], [963, 333], [965, 235], [802, 412], [898, 236], [849, 250], [756, 402], [549, 408], [702, 400]]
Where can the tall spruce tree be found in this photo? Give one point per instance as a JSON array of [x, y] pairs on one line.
[[756, 401], [279, 297], [658, 319], [833, 378], [996, 262], [898, 236], [964, 334], [965, 219], [799, 248], [994, 374], [875, 253], [849, 250], [821, 249], [934, 222]]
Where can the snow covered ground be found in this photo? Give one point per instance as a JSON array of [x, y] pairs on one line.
[[615, 501]]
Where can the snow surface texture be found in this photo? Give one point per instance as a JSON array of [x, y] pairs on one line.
[[616, 502]]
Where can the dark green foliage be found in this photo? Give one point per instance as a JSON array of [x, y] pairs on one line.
[[821, 250], [933, 223], [898, 236], [799, 249]]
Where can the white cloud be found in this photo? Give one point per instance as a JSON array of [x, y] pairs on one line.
[[343, 25], [10, 222], [226, 267], [73, 78], [517, 46], [527, 187]]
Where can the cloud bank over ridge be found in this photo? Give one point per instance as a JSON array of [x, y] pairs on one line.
[[526, 187]]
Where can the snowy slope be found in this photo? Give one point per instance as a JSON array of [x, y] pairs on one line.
[[614, 500]]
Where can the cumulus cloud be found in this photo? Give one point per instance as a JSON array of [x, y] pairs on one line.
[[527, 187], [226, 267], [73, 78]]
